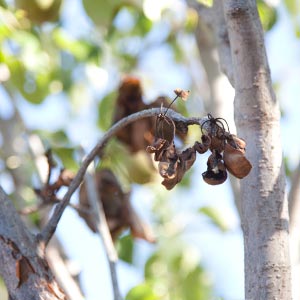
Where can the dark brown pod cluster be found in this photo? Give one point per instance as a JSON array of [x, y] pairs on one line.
[[227, 152], [118, 210], [172, 164]]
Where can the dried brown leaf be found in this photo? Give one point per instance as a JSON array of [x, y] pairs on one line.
[[185, 161], [116, 204]]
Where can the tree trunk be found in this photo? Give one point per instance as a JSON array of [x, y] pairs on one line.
[[264, 202], [26, 273]]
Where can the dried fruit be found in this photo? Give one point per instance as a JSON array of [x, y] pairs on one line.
[[204, 146], [228, 152], [185, 161], [216, 171], [236, 162]]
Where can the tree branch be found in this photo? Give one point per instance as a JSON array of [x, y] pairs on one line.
[[20, 265], [103, 230], [257, 115], [214, 19], [46, 234]]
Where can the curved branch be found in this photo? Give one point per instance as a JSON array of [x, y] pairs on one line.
[[46, 234]]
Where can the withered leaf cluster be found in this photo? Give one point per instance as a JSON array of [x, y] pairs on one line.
[[130, 100], [118, 210], [227, 152], [172, 164]]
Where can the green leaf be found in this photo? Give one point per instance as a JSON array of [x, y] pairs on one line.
[[208, 3], [215, 217], [101, 12], [105, 111], [3, 3], [293, 7], [129, 167], [125, 248], [80, 49], [288, 171], [66, 155], [267, 14], [53, 139], [142, 292]]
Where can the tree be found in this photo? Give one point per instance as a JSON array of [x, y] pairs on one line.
[[239, 37]]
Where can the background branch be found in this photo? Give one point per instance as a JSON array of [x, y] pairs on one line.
[[103, 230], [214, 50]]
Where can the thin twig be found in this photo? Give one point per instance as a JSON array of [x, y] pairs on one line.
[[103, 230], [46, 234]]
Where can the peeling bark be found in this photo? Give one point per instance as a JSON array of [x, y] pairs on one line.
[[264, 203], [24, 271]]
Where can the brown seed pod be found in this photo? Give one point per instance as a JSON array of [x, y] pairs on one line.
[[214, 178], [237, 143], [216, 171], [203, 147], [236, 162], [117, 207]]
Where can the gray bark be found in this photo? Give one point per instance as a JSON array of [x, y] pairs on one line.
[[25, 272], [264, 203]]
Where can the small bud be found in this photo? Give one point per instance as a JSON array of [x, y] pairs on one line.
[[182, 94]]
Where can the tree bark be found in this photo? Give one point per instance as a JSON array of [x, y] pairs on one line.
[[25, 272], [264, 202]]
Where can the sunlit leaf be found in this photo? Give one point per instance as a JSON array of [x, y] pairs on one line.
[[267, 14], [142, 292], [288, 171], [208, 3], [101, 12], [293, 7], [125, 248], [80, 49], [55, 139], [215, 217], [40, 11], [129, 167], [105, 110], [66, 155]]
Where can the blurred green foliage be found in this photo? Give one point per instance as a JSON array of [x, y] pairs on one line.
[[293, 8], [267, 14]]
